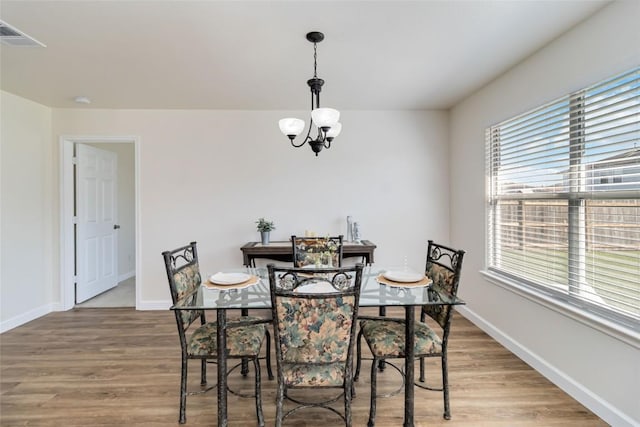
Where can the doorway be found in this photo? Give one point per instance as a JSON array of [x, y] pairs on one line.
[[125, 293]]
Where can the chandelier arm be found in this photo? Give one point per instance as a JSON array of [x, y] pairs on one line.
[[306, 138], [304, 141], [309, 131]]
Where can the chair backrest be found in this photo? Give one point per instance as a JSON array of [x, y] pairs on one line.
[[183, 273], [317, 251], [444, 265], [314, 314]]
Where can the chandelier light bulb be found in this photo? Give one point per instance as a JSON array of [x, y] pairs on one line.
[[325, 117], [334, 131], [291, 126]]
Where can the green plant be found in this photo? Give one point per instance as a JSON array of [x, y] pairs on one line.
[[264, 225]]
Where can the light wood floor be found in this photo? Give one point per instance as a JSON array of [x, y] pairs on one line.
[[105, 367]]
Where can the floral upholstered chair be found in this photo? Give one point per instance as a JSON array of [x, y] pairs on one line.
[[199, 340], [317, 251], [386, 336], [314, 319]]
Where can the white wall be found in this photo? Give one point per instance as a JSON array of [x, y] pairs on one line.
[[126, 206], [602, 372], [28, 252], [208, 175]]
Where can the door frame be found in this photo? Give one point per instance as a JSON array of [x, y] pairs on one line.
[[67, 198]]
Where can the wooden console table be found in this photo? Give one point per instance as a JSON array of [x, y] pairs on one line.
[[282, 251]]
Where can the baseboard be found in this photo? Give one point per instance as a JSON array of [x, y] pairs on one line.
[[154, 305], [610, 414], [23, 318], [126, 276]]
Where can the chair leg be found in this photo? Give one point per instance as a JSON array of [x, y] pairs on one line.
[[423, 317], [358, 355], [374, 381], [279, 403], [348, 393], [183, 391], [203, 372], [445, 386], [259, 414], [353, 384], [244, 368], [269, 372]]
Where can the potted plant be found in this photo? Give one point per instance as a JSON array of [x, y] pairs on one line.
[[264, 227]]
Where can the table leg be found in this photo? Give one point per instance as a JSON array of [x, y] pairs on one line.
[[244, 369], [382, 311], [409, 327], [222, 367]]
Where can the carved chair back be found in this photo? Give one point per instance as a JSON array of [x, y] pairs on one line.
[[443, 267], [183, 273], [317, 251]]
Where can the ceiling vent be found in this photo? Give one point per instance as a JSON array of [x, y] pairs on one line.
[[13, 37]]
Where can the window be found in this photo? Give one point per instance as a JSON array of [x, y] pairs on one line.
[[564, 199]]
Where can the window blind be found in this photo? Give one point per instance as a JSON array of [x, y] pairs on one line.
[[564, 198]]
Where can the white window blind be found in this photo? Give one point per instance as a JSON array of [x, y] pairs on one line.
[[564, 199]]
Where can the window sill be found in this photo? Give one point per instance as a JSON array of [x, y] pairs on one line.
[[627, 335]]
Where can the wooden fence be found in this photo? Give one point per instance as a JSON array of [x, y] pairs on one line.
[[611, 225]]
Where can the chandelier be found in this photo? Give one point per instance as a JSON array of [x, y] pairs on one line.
[[325, 120]]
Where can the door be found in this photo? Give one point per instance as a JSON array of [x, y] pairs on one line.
[[96, 228]]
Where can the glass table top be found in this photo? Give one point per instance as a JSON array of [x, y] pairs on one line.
[[372, 294]]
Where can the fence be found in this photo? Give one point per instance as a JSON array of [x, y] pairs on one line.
[[612, 225]]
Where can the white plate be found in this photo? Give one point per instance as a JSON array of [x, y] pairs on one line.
[[316, 288], [229, 278], [403, 276]]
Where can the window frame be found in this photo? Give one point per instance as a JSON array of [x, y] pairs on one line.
[[577, 197]]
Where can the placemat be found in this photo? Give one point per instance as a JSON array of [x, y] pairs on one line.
[[250, 282], [383, 280]]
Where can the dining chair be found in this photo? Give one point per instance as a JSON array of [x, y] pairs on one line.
[[314, 321], [385, 337], [244, 338], [317, 251]]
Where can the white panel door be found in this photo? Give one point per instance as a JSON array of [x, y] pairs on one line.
[[96, 236]]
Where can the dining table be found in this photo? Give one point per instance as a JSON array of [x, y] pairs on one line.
[[257, 296]]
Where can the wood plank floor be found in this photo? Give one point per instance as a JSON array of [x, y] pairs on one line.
[[106, 367]]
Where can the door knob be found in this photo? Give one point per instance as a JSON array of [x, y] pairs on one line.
[[116, 226]]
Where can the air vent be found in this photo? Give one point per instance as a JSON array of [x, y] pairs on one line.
[[13, 37]]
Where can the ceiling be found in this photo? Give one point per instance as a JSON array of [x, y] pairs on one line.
[[253, 55]]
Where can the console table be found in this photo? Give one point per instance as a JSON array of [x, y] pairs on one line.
[[282, 251]]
